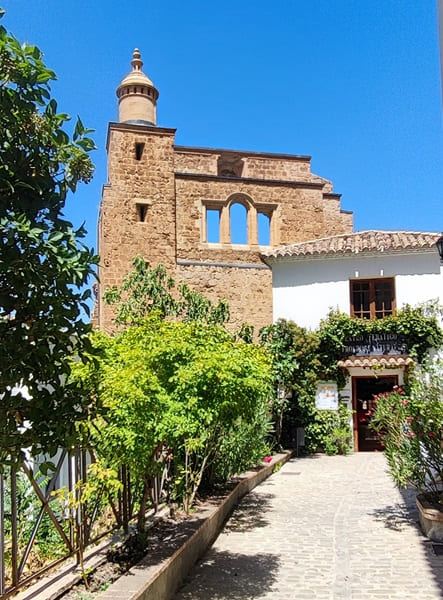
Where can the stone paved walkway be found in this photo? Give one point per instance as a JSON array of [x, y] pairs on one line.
[[321, 528]]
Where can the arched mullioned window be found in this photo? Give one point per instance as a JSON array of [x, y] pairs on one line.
[[238, 222]]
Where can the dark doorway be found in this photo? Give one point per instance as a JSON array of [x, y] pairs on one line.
[[363, 391]]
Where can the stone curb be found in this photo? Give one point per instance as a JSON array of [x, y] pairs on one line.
[[160, 582]]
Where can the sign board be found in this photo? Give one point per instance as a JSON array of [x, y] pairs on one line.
[[326, 397], [375, 344]]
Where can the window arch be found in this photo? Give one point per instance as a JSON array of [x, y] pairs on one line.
[[238, 223], [239, 220]]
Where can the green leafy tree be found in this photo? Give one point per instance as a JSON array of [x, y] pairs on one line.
[[43, 264], [180, 390], [146, 289], [295, 367]]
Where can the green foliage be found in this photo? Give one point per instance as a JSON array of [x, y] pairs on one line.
[[294, 366], [246, 333], [99, 478], [333, 331], [185, 390], [302, 358], [297, 367], [48, 544], [43, 264], [329, 430], [145, 290], [418, 324], [411, 427]]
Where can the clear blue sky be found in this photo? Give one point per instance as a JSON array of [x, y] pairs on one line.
[[353, 83]]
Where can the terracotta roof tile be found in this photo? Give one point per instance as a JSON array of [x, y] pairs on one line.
[[376, 361], [355, 243]]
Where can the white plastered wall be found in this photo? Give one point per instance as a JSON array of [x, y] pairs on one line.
[[305, 289]]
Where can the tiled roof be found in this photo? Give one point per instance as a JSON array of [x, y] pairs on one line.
[[355, 243], [376, 361]]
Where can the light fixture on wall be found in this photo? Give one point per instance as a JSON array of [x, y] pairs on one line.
[[439, 244]]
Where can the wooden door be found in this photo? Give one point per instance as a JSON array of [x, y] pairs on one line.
[[363, 391]]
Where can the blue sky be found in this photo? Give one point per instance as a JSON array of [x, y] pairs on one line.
[[353, 83]]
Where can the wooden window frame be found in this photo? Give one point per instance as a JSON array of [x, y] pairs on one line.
[[372, 282]]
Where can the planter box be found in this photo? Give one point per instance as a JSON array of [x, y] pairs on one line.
[[431, 519]]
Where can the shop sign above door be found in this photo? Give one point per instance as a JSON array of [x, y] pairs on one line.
[[375, 344]]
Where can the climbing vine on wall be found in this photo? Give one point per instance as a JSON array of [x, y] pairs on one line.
[[301, 358], [419, 325]]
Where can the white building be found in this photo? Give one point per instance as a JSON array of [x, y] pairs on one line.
[[369, 274]]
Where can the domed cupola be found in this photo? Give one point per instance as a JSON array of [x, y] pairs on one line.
[[137, 96]]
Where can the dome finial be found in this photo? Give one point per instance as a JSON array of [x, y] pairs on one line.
[[136, 61], [137, 95]]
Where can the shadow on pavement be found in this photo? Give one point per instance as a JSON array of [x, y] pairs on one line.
[[395, 517], [435, 562], [230, 576], [399, 516], [250, 513]]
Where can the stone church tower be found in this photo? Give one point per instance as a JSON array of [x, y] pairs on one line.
[[174, 205]]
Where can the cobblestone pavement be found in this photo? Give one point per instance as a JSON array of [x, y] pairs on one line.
[[321, 528]]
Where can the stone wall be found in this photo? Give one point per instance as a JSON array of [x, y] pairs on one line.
[[254, 165], [248, 291], [147, 183], [155, 206]]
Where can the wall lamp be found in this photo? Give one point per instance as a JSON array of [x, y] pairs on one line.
[[439, 244]]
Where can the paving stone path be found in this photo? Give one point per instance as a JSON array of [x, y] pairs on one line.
[[321, 528]]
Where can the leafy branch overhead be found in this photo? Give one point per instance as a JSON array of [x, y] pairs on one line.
[[43, 262], [146, 289]]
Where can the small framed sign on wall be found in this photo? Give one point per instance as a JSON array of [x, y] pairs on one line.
[[326, 397]]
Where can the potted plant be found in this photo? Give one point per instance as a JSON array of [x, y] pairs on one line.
[[411, 428]]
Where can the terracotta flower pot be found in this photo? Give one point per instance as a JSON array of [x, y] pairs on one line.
[[431, 519]]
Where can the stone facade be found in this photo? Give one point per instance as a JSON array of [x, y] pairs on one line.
[[155, 204], [159, 197]]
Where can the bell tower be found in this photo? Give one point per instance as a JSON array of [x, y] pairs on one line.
[[137, 95], [138, 207]]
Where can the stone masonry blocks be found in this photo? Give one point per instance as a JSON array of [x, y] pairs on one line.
[[154, 206]]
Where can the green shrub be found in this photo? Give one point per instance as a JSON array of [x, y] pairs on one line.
[[185, 391], [330, 431], [411, 427]]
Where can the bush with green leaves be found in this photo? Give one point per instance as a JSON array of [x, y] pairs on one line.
[[148, 289], [411, 428], [185, 391], [329, 431], [43, 263], [419, 325], [295, 367]]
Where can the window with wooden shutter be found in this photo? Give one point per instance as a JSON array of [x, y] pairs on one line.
[[372, 298]]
